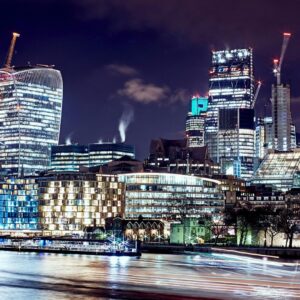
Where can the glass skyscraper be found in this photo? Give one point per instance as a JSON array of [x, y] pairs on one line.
[[229, 126], [30, 117], [282, 118], [195, 121]]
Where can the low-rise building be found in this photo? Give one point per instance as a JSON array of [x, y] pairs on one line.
[[19, 204], [280, 170], [189, 231], [167, 196]]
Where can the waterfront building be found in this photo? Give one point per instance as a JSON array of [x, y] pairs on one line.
[[280, 170], [19, 204], [231, 86], [68, 203], [169, 197], [148, 230], [195, 121], [72, 157], [30, 118], [175, 157], [189, 231]]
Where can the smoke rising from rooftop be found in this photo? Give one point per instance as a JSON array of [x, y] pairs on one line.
[[125, 120]]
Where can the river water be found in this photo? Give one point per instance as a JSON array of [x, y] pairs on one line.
[[56, 276]]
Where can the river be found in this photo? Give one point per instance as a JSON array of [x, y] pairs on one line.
[[44, 276]]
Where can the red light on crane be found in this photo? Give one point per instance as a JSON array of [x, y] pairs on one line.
[[287, 34], [275, 61]]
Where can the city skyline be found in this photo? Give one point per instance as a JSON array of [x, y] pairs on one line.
[[107, 66]]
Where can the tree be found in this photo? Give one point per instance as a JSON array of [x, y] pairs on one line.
[[265, 215], [288, 221], [274, 227]]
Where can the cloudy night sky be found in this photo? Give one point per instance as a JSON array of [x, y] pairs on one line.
[[146, 57]]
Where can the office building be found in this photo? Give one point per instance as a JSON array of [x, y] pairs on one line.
[[170, 197], [263, 137], [19, 204], [282, 119], [69, 203], [175, 157], [195, 122], [231, 85], [72, 157], [30, 117]]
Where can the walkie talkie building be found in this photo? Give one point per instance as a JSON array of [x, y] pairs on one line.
[[30, 118]]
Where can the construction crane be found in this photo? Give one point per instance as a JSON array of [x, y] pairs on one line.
[[278, 62], [259, 83], [10, 53]]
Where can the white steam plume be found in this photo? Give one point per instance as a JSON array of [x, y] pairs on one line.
[[68, 140], [126, 119]]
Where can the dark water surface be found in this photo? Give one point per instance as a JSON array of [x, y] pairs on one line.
[[56, 276]]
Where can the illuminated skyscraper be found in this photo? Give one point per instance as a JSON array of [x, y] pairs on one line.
[[282, 119], [195, 121], [263, 137], [229, 126], [30, 117]]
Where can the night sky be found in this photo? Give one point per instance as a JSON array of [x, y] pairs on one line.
[[146, 57]]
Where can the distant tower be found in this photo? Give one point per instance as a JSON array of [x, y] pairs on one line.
[[229, 126], [263, 137], [283, 130], [195, 121]]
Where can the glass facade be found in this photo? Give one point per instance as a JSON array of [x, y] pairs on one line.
[[195, 121], [263, 136], [171, 196], [30, 117], [282, 119], [280, 169], [19, 204], [60, 204], [70, 203], [71, 157], [230, 140]]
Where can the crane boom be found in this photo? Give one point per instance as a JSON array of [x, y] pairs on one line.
[[11, 50], [256, 93], [278, 63]]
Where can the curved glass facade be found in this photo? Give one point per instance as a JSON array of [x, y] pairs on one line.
[[171, 196], [30, 117]]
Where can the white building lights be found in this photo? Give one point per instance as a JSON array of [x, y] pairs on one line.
[[30, 117], [167, 196], [229, 125]]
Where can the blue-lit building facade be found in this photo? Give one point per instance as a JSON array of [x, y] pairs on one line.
[[19, 204], [72, 157], [30, 118], [230, 137], [195, 121]]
